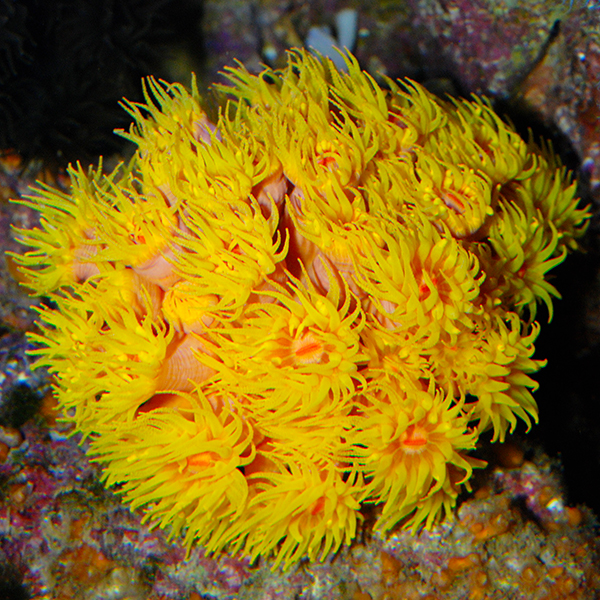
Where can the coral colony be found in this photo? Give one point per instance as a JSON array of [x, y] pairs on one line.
[[316, 303]]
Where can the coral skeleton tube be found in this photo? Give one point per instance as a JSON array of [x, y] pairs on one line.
[[317, 301]]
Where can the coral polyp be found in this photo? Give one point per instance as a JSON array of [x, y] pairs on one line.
[[318, 302]]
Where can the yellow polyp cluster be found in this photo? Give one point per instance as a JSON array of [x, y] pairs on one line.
[[317, 303]]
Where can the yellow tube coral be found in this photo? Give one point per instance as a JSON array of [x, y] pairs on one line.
[[318, 302], [413, 440]]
